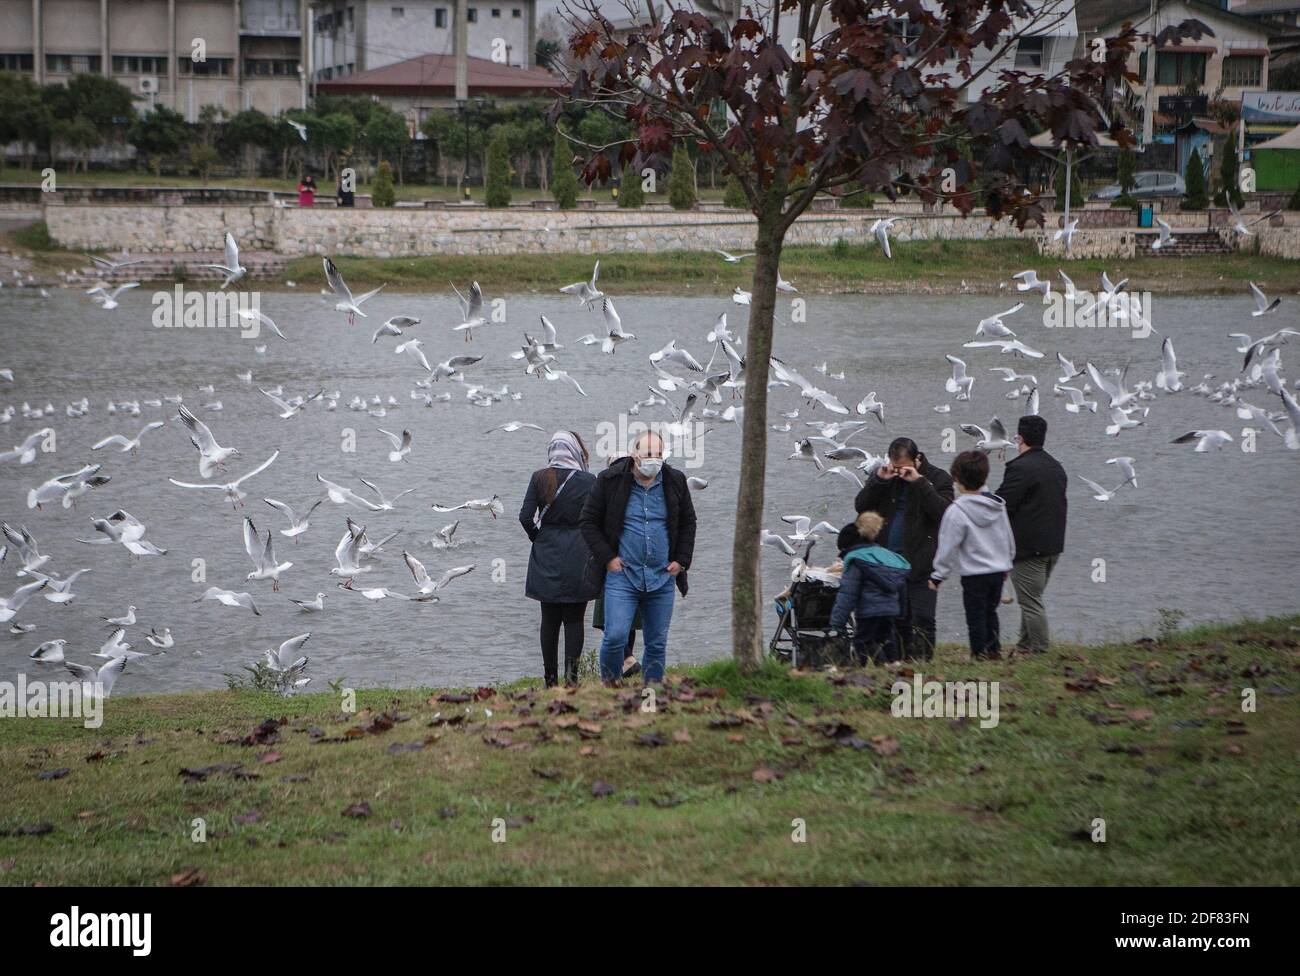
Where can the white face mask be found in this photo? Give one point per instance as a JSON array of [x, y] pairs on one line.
[[649, 466]]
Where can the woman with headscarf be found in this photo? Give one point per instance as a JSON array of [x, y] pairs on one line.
[[558, 574]]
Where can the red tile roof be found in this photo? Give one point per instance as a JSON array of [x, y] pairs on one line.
[[435, 74]]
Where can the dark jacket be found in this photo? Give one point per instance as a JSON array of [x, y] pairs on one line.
[[602, 516], [1033, 486], [924, 502], [558, 569], [872, 582]]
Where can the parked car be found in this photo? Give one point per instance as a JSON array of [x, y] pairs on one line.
[[1147, 184]]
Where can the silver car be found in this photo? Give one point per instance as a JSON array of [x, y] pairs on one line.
[[1149, 183]]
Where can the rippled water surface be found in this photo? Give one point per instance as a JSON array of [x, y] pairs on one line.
[[1212, 535]]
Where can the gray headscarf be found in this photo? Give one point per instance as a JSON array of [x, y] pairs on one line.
[[566, 452]]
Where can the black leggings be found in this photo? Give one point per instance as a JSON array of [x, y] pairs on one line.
[[573, 617]]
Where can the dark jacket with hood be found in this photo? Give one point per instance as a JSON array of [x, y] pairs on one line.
[[602, 517], [1033, 486], [924, 502], [872, 582], [558, 561]]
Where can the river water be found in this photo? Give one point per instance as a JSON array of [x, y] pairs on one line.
[[1212, 535]]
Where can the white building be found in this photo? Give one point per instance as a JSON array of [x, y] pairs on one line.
[[353, 36]]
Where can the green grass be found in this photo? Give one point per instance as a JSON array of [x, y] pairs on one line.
[[917, 267], [35, 237], [1193, 790]]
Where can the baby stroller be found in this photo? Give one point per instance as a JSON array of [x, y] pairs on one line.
[[805, 615]]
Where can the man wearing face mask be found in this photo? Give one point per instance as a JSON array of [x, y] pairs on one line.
[[639, 522]]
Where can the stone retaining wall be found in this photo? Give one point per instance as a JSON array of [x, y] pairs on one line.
[[410, 232]]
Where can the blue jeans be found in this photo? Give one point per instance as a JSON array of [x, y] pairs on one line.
[[621, 603]]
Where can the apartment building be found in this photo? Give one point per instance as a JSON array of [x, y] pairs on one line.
[[182, 54]]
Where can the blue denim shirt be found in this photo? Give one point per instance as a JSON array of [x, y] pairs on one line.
[[643, 546]]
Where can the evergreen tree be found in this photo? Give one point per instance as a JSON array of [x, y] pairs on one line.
[[382, 193], [734, 195], [681, 181], [1194, 176], [564, 183], [498, 171], [1231, 188], [630, 193]]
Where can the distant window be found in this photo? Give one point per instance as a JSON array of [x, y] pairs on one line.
[[130, 64], [16, 62], [351, 19], [399, 11], [1179, 68], [516, 13], [74, 64], [1242, 71], [212, 67], [496, 12], [1029, 52], [271, 67], [440, 17], [472, 16]]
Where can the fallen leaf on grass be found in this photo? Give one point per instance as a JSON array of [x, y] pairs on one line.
[[251, 817], [1140, 714], [263, 734], [53, 773], [187, 878], [651, 739], [885, 745], [587, 751], [357, 810], [682, 735], [269, 757], [765, 774], [601, 788]]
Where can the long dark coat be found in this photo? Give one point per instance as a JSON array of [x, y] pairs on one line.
[[558, 570]]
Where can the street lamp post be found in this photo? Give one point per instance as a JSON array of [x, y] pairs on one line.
[[462, 106]]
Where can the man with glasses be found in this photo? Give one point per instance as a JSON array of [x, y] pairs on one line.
[[1033, 486], [639, 523]]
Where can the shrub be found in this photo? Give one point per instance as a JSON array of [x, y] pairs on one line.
[[564, 184], [1294, 202], [382, 193], [856, 197], [1124, 201], [497, 193], [681, 181], [734, 195]]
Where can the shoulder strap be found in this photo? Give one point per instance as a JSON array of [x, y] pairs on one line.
[[537, 519]]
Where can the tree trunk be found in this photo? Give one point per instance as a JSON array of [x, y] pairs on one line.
[[746, 582]]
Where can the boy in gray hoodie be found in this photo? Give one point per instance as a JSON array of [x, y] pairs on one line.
[[975, 543]]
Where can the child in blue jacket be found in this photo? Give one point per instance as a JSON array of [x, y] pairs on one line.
[[871, 587]]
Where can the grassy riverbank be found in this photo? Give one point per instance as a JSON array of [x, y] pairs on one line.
[[1149, 737], [919, 267]]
